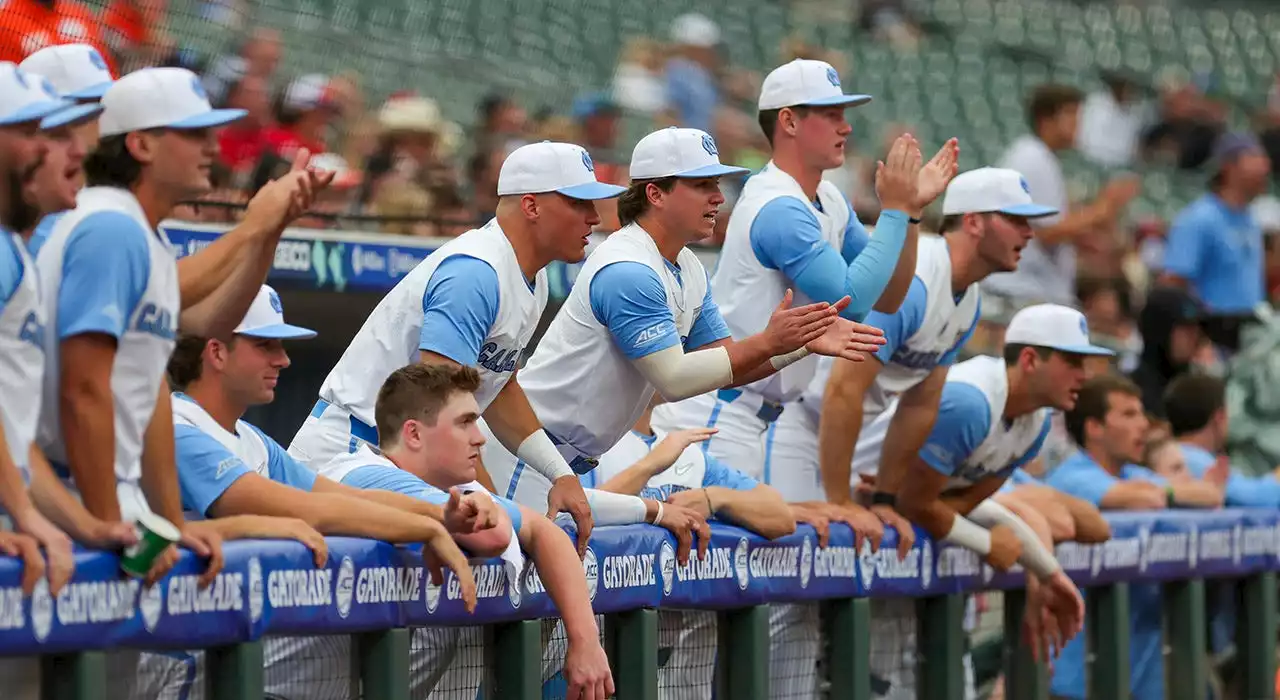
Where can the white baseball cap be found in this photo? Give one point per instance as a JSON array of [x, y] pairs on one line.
[[1053, 326], [693, 29], [25, 97], [677, 152], [77, 71], [992, 190], [547, 166], [160, 98], [806, 83], [265, 319]]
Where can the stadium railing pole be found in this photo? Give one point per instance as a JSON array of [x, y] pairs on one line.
[[77, 676], [1107, 639], [383, 658], [742, 657], [1023, 676], [1186, 669], [1256, 636], [234, 672], [940, 663], [632, 642], [847, 623], [513, 660]]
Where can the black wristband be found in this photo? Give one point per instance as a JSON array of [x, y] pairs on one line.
[[913, 220], [884, 498]]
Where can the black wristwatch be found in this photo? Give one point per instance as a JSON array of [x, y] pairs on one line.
[[884, 498], [914, 220]]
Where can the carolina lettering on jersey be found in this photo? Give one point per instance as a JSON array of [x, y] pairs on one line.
[[11, 610], [185, 595], [499, 360], [389, 584], [775, 562], [718, 565], [32, 331], [628, 571], [156, 321], [956, 562], [835, 562], [299, 588], [97, 601], [915, 359], [663, 492]]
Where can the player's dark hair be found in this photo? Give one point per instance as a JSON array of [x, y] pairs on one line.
[[1191, 400], [111, 164], [418, 392], [768, 119], [1048, 100], [186, 362], [950, 222], [1013, 351], [633, 203], [1094, 402]]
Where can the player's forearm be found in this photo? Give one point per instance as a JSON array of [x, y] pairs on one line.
[[159, 463], [838, 430], [760, 510], [1197, 494], [13, 492], [908, 430], [561, 573], [391, 499], [1037, 542], [86, 412], [632, 479], [335, 514], [609, 508], [517, 427], [218, 311], [200, 274]]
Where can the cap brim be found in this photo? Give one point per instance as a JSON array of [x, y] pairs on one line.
[[93, 92], [1083, 350], [714, 170], [34, 112], [71, 115], [1029, 211], [214, 117], [592, 190], [280, 331], [846, 100]]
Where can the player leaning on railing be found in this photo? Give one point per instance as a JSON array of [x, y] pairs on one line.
[[430, 443]]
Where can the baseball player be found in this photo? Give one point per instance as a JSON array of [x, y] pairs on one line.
[[228, 467], [673, 468], [984, 228], [476, 301], [641, 317], [78, 73], [427, 420], [791, 230]]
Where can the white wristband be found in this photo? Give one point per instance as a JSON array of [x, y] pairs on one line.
[[539, 452], [780, 361], [657, 519], [968, 535]]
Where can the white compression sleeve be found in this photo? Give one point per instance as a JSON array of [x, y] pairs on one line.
[[610, 508], [539, 452], [1035, 556], [966, 534], [678, 375]]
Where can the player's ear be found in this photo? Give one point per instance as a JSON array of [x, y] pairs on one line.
[[141, 146], [411, 434], [529, 206], [787, 119]]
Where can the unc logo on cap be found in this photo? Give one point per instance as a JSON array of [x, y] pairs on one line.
[[198, 88], [96, 60], [21, 77], [1084, 326], [833, 77], [275, 302], [1025, 187], [586, 162], [709, 145], [48, 88]]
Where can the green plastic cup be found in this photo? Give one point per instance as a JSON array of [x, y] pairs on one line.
[[154, 535]]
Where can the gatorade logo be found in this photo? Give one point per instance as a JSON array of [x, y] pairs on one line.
[[255, 590], [150, 601], [740, 564], [345, 587], [41, 610], [667, 565]]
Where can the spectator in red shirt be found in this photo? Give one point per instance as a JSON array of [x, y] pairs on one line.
[[31, 25], [242, 142], [306, 112]]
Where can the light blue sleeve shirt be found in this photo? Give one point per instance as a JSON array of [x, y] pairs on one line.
[[901, 324], [720, 474], [1185, 246], [629, 299], [11, 269], [283, 468], [709, 326], [1084, 478], [786, 236], [206, 468], [105, 271], [41, 233], [459, 308], [1242, 490], [964, 419], [380, 477]]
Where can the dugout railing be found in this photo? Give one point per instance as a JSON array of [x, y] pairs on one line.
[[375, 592]]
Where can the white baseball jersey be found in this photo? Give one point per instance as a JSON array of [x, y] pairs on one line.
[[389, 338], [748, 292], [22, 342], [146, 331], [580, 383], [971, 440]]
